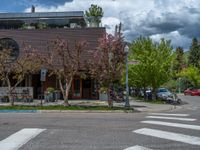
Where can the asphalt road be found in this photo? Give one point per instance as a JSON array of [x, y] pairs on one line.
[[104, 131]]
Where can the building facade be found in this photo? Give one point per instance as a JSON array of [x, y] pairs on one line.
[[36, 30]]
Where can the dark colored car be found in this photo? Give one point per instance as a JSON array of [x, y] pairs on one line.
[[192, 92]]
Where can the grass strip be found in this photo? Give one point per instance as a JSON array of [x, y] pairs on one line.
[[61, 107]]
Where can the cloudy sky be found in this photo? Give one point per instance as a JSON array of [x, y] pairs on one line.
[[178, 20]]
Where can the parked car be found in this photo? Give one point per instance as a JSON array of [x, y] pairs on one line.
[[192, 92], [166, 95]]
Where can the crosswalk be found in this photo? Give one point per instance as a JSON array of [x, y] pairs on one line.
[[18, 139], [137, 147], [193, 107], [163, 120]]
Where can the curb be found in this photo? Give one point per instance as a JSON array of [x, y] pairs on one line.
[[84, 111], [17, 111], [65, 111], [156, 110]]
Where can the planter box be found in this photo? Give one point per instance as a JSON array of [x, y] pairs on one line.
[[103, 96], [49, 97], [56, 95]]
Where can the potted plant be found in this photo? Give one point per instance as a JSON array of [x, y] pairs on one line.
[[103, 93], [5, 99], [49, 94], [56, 95]]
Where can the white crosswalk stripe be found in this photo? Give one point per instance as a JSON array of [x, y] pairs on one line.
[[137, 147], [179, 125], [193, 107], [167, 114], [169, 136], [171, 118], [178, 137], [18, 139]]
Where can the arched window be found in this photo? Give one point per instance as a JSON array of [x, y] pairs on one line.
[[10, 44]]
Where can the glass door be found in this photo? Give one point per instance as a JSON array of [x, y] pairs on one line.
[[77, 88]]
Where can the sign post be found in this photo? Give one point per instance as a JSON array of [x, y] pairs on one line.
[[43, 73]]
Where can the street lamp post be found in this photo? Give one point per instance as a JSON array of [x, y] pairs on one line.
[[127, 104]]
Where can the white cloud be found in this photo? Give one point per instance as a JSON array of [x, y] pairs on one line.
[[175, 37], [154, 18], [110, 23]]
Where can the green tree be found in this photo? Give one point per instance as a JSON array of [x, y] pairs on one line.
[[154, 67], [194, 54], [139, 72], [179, 60], [94, 15], [173, 85], [192, 74]]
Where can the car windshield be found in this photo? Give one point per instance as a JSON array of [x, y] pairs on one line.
[[163, 90]]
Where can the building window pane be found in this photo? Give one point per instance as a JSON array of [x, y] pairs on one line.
[[77, 87]]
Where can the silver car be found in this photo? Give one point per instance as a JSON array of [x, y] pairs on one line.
[[166, 95]]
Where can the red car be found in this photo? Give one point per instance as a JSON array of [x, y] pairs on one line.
[[192, 92]]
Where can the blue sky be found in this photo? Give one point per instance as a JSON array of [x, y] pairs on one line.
[[177, 20], [21, 5]]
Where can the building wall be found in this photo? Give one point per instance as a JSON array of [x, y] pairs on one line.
[[39, 39]]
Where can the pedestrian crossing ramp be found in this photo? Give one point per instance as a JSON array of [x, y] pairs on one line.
[[168, 120]]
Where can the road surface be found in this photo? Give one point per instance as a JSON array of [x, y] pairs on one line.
[[174, 130]]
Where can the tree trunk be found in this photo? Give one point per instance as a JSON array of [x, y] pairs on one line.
[[66, 103], [10, 97], [10, 91], [137, 92], [66, 91], [154, 97], [145, 94], [110, 100]]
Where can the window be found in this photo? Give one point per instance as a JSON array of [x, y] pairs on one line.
[[77, 87], [10, 44]]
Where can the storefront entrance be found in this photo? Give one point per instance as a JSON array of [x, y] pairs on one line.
[[80, 89], [77, 88], [84, 89], [86, 86]]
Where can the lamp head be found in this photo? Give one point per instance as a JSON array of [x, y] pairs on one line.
[[126, 49]]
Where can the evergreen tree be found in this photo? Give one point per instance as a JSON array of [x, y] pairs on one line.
[[94, 14], [194, 54], [179, 60]]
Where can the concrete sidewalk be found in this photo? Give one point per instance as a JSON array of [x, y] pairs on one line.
[[138, 106], [148, 107]]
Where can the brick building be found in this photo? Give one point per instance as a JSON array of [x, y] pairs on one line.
[[36, 29]]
